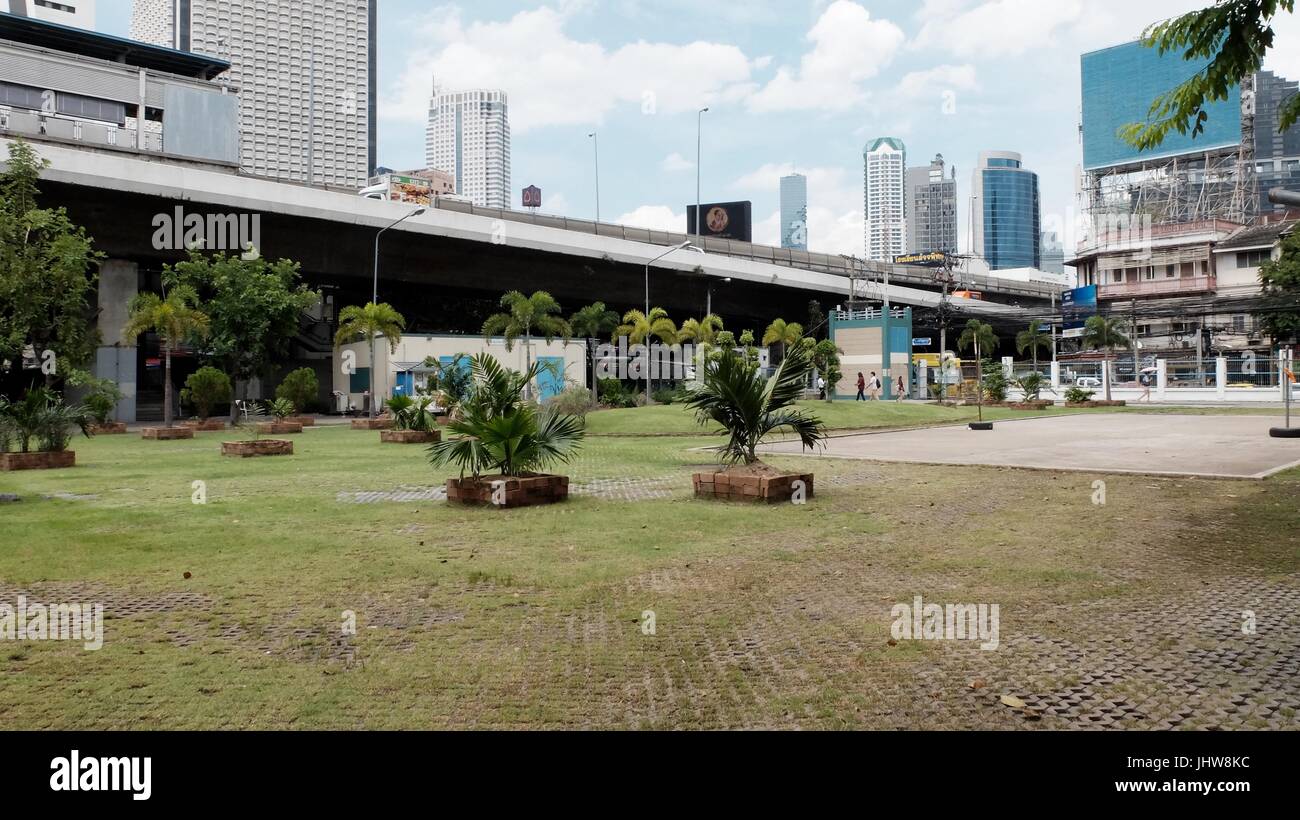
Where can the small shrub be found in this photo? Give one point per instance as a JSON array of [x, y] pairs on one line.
[[573, 401], [1032, 385], [299, 387], [280, 408], [205, 389], [664, 395], [102, 395], [1078, 395], [995, 383], [612, 393]]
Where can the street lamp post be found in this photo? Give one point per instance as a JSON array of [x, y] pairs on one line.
[[699, 128], [646, 341], [374, 298], [595, 141]]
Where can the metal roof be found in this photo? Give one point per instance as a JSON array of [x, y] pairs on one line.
[[72, 40]]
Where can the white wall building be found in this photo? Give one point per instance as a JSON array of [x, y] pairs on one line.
[[78, 13], [884, 162], [305, 73], [469, 137]]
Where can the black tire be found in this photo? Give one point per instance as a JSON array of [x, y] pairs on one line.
[[1285, 432], [981, 425]]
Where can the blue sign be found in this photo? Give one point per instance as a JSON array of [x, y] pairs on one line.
[[926, 342], [1077, 306]]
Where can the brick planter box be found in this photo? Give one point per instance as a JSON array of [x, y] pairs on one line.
[[443, 420], [1120, 403], [167, 433], [521, 491], [409, 436], [205, 425], [279, 428], [261, 447], [372, 424], [1027, 405], [305, 421], [112, 428], [37, 461], [740, 487]]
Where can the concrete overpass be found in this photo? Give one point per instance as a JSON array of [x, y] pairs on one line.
[[445, 269]]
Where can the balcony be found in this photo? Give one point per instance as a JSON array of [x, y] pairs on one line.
[[1144, 288]]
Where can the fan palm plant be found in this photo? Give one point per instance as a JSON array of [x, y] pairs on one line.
[[41, 415], [704, 333], [784, 333], [367, 323], [593, 322], [1104, 333], [524, 316], [1032, 338], [750, 407], [498, 432], [175, 318], [981, 337]]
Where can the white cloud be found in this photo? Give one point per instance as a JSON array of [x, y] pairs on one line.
[[675, 163], [848, 47], [1284, 59], [998, 28], [554, 79], [935, 81], [653, 217]]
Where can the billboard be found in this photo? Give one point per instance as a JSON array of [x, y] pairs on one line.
[[1077, 306], [1119, 85], [723, 220], [532, 197], [925, 260]]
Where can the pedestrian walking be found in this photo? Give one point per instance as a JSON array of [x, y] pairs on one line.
[[862, 386], [899, 391]]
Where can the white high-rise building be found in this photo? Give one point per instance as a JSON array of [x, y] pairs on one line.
[[884, 171], [469, 137], [78, 13], [304, 71], [794, 212]]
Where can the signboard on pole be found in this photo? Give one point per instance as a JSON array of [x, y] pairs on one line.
[[1077, 306]]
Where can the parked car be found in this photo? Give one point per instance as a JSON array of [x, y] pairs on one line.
[[1087, 381]]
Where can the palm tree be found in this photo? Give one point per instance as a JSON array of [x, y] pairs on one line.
[[592, 323], [749, 407], [523, 315], [1101, 332], [1032, 338], [174, 318], [640, 329], [367, 323], [703, 332], [982, 338], [783, 333]]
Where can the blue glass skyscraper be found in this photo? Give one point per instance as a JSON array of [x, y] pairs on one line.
[[1006, 212]]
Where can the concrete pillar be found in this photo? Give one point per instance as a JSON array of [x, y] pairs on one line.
[[1008, 366], [1221, 376], [1105, 376], [1162, 377], [922, 380], [1283, 364], [119, 281], [1056, 375]]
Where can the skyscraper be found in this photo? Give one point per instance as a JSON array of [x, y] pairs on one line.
[[1277, 153], [469, 137], [794, 212], [884, 168], [1053, 253], [78, 13], [305, 74], [932, 209], [1006, 212]]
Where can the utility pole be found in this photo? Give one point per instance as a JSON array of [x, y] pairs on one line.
[[1133, 322]]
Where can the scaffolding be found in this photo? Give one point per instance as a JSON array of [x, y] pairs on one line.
[[1214, 184]]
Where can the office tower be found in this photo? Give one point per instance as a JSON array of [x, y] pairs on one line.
[[884, 162], [1053, 253], [469, 137], [1277, 153], [78, 13], [1005, 212], [305, 74], [794, 212], [932, 208]]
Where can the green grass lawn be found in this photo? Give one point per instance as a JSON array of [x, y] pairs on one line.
[[766, 616]]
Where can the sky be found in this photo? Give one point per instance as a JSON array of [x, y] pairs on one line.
[[790, 85]]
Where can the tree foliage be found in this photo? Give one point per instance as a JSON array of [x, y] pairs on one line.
[[47, 270], [1234, 35], [300, 387], [254, 307], [1279, 281]]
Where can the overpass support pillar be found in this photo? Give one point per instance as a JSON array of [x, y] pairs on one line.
[[119, 281], [1162, 377], [1220, 377], [1056, 376]]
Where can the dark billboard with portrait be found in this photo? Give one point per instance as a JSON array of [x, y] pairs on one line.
[[723, 220]]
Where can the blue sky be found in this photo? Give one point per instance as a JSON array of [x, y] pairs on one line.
[[795, 84]]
